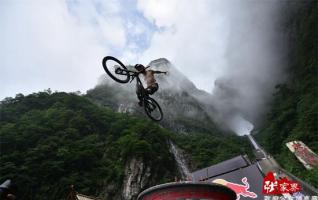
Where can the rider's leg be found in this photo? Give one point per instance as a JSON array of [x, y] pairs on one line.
[[138, 92], [152, 89]]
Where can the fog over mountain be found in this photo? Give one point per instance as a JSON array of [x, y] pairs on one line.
[[255, 61], [251, 61], [237, 53]]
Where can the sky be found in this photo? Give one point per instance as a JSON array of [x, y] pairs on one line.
[[59, 44]]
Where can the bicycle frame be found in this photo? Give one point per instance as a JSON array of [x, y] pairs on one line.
[[149, 104], [134, 74]]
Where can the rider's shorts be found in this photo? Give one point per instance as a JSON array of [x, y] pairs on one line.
[[153, 88]]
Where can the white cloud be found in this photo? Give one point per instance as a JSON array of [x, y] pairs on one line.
[[192, 35], [209, 39], [56, 44], [161, 12], [113, 32]]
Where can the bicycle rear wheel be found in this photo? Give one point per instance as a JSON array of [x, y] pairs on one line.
[[152, 109], [116, 69]]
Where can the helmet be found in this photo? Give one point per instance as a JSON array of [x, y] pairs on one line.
[[139, 67]]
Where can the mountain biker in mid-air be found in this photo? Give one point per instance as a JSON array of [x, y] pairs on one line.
[[152, 85]]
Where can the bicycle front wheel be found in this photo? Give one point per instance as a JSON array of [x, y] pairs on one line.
[[116, 69], [153, 109]]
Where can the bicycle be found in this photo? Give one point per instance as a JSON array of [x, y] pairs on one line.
[[119, 72]]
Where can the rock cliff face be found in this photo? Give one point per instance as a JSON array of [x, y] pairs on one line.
[[140, 175], [184, 106], [137, 177]]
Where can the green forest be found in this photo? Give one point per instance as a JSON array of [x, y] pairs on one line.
[[50, 141]]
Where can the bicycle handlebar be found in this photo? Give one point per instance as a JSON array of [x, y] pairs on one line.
[[136, 72]]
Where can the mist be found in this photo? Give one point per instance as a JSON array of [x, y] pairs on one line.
[[240, 126], [255, 61], [232, 49]]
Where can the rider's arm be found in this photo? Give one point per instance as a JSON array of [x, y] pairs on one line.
[[159, 72]]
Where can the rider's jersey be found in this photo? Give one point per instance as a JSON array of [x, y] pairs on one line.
[[149, 78]]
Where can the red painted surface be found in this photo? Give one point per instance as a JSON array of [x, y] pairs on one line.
[[179, 193]]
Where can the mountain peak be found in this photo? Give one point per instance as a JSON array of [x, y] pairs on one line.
[[175, 79], [160, 61]]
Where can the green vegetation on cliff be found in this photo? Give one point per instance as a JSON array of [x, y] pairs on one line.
[[208, 149], [52, 140], [294, 113]]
